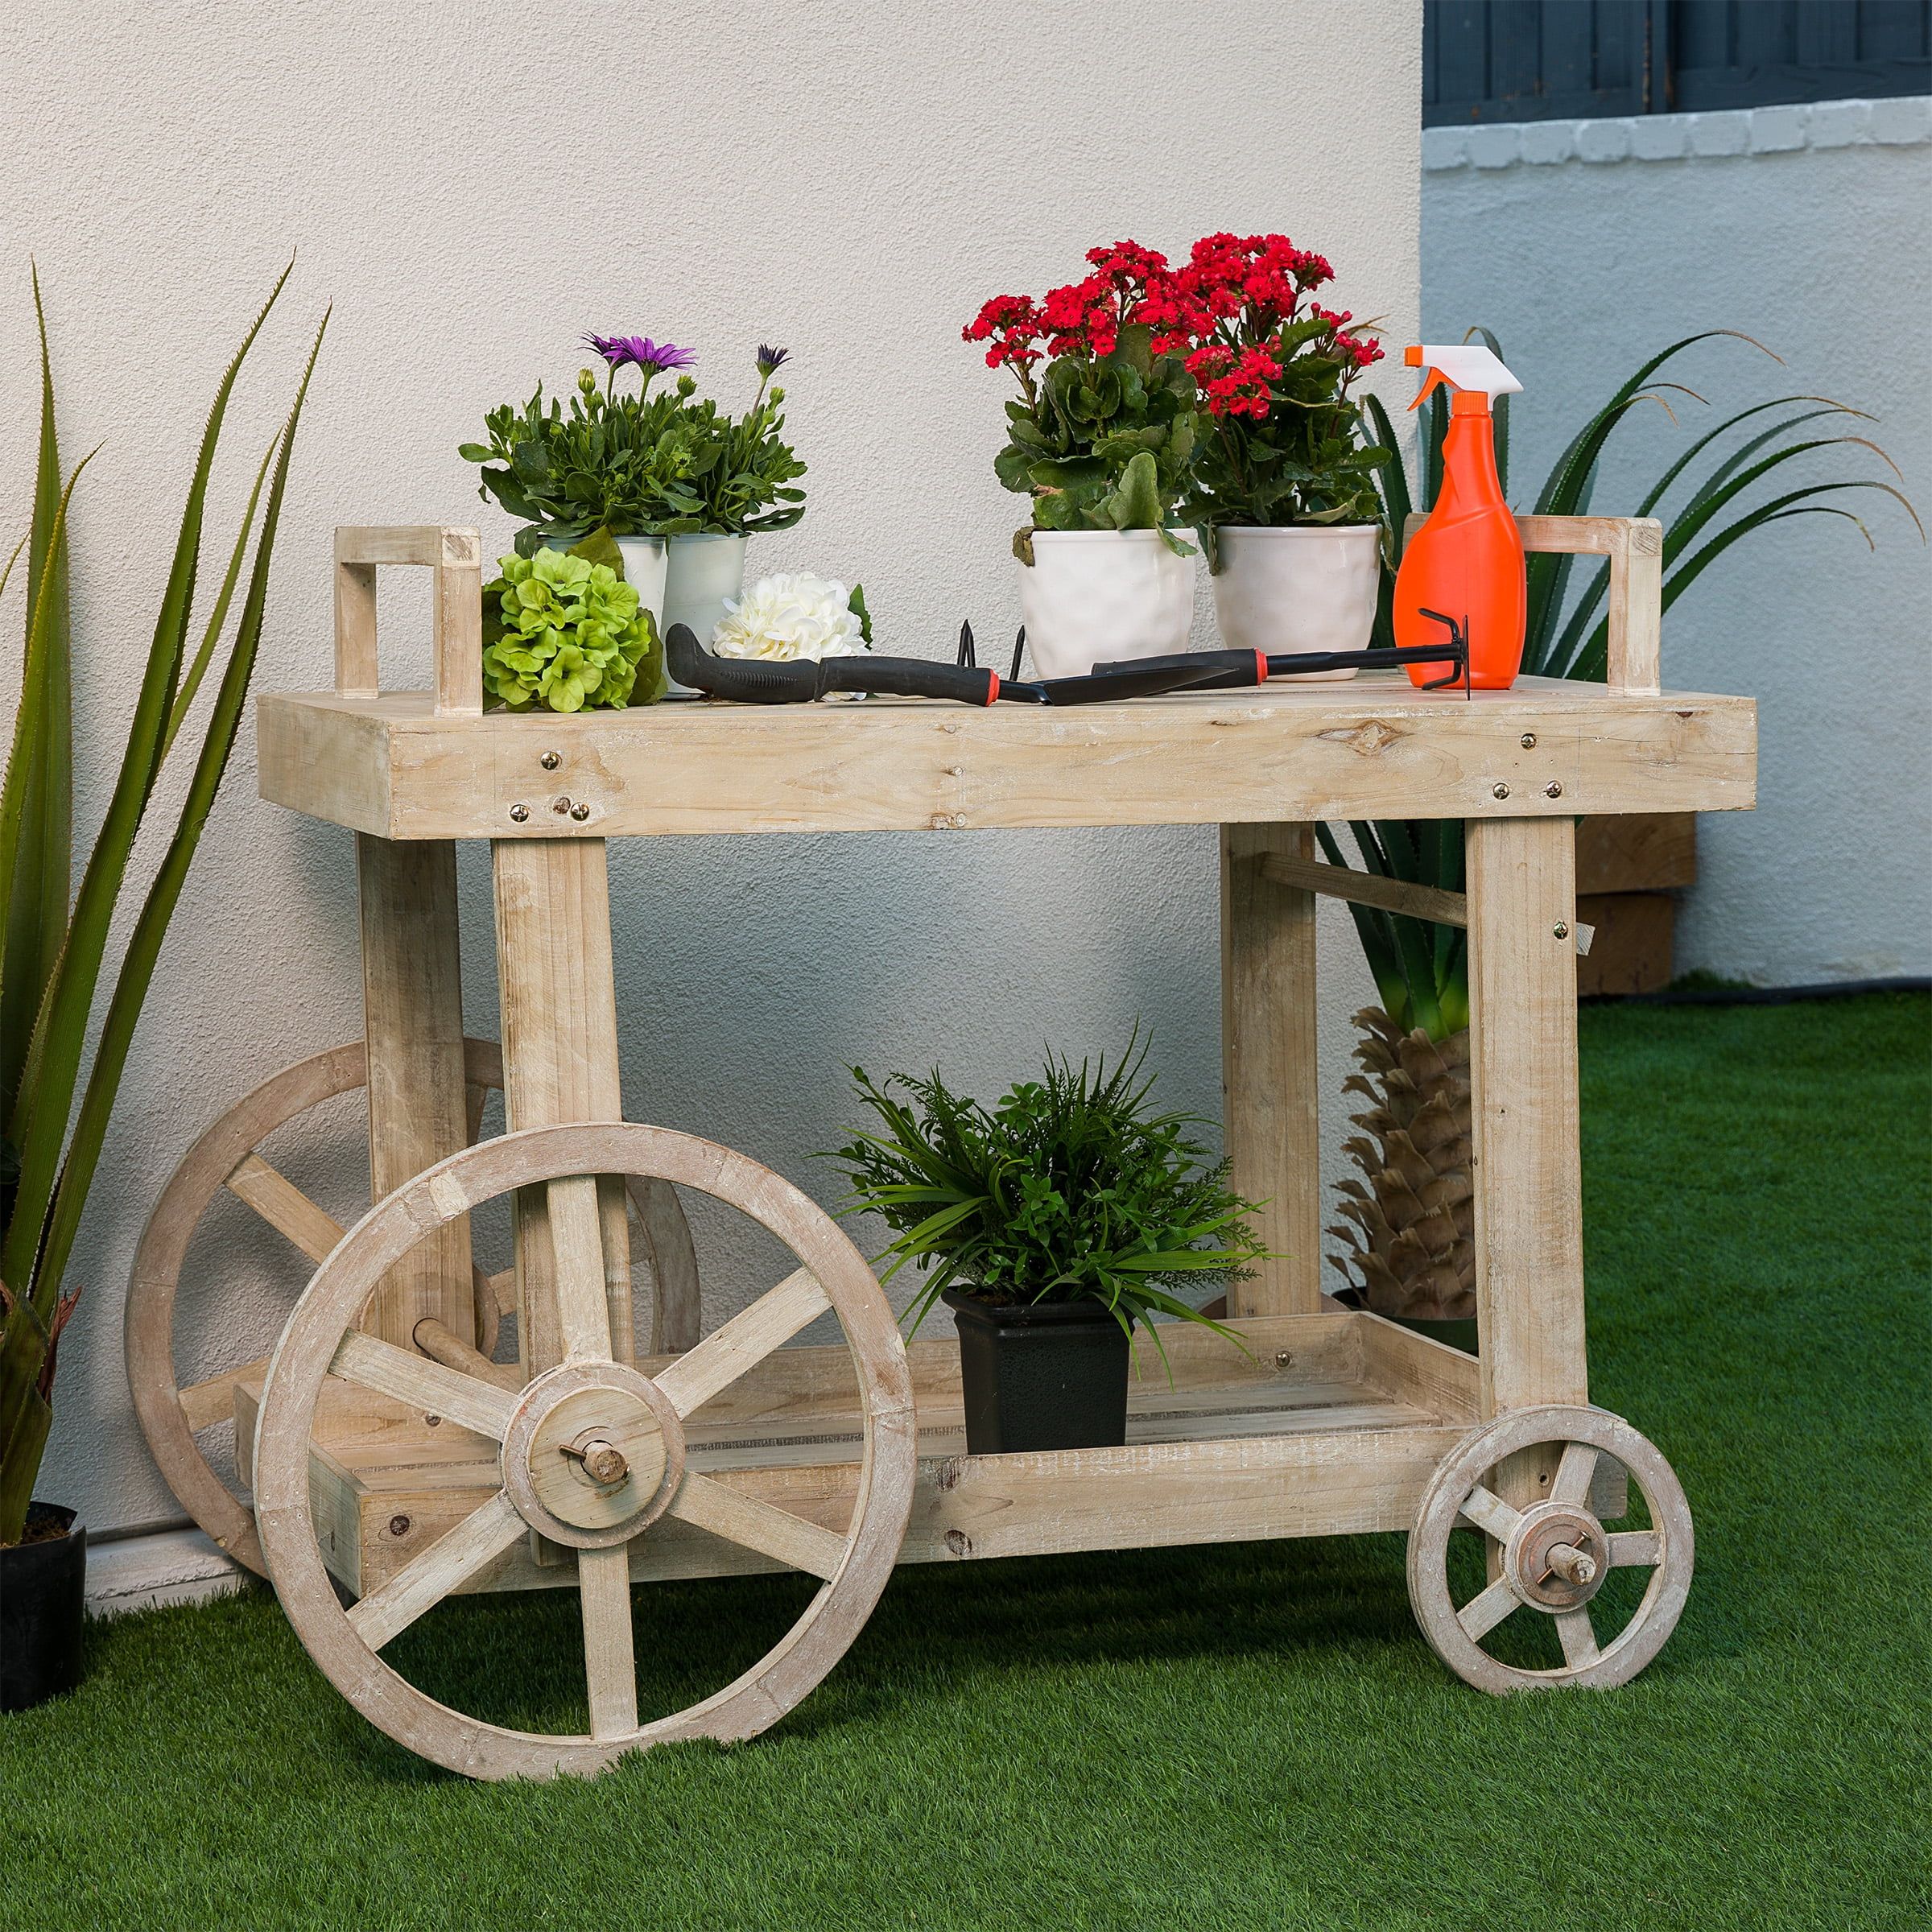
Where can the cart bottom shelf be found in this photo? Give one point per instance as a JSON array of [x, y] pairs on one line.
[[1333, 1424]]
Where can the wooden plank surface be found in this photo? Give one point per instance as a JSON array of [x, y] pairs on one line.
[[1637, 851], [1374, 747]]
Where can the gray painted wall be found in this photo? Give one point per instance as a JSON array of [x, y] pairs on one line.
[[1588, 246], [474, 185]]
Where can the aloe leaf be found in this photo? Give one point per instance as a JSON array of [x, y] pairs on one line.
[[1758, 409], [184, 697], [1372, 929], [137, 970], [39, 1123], [36, 901]]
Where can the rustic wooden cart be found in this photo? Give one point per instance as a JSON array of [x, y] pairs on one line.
[[393, 1462]]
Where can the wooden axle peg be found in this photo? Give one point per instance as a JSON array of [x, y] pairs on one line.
[[1573, 1565], [603, 1462]]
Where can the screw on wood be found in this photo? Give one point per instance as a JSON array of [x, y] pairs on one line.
[[560, 805], [518, 812], [1528, 740], [579, 811], [1561, 930], [1499, 791], [550, 760], [1284, 1358], [1553, 790], [398, 1526]]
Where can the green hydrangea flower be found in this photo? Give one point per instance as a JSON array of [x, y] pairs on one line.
[[567, 634]]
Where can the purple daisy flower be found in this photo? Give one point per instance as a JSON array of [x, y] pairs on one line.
[[640, 352], [770, 361]]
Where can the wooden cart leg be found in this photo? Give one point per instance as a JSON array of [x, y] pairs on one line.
[[1270, 1094], [560, 1009], [412, 1005], [1521, 876]]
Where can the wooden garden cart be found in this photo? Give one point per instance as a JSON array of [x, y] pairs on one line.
[[393, 1461]]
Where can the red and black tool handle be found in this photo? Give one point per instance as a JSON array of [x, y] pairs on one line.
[[1241, 669]]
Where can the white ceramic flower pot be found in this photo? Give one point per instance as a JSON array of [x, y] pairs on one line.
[[644, 567], [1092, 596], [702, 572], [1302, 587]]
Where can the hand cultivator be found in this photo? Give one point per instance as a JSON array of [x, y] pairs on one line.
[[387, 1459]]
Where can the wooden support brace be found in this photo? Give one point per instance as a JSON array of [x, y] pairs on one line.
[[1387, 895]]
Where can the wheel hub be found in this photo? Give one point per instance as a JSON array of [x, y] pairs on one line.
[[1559, 1558], [594, 1454]]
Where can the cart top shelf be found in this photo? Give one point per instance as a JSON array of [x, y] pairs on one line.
[[396, 767]]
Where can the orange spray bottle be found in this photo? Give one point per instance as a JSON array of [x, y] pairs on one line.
[[1464, 567]]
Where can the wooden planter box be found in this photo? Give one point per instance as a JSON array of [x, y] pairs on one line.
[[1627, 870]]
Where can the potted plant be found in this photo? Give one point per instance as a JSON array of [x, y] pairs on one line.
[[739, 472], [1408, 1222], [563, 634], [53, 945], [1282, 485], [1050, 1224], [610, 465], [1099, 440]]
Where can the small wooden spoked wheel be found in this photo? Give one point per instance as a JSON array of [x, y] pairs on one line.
[[227, 1157], [1553, 1554], [592, 1452]]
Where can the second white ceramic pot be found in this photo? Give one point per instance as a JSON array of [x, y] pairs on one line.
[[644, 567], [1092, 596], [1302, 587]]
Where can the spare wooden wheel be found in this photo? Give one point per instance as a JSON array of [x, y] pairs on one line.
[[590, 1453], [227, 1156]]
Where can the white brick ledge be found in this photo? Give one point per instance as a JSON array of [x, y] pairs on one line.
[[1905, 121]]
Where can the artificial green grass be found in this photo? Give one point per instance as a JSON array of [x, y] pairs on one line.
[[1240, 1737]]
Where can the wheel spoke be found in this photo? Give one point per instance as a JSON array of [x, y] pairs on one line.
[[1488, 1512], [206, 1403], [609, 1666], [371, 1363], [452, 1559], [1574, 1473], [1578, 1638], [284, 1206], [577, 1240], [1481, 1614], [724, 1355], [753, 1525], [1636, 1549]]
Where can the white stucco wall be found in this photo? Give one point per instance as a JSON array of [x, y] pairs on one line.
[[473, 185], [1589, 246]]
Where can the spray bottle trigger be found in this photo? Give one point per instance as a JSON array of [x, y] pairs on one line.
[[1434, 380]]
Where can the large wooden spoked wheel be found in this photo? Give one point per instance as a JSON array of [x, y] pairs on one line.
[[227, 1157], [1553, 1555], [592, 1452]]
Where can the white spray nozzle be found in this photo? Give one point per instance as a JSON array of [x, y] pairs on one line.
[[1462, 365]]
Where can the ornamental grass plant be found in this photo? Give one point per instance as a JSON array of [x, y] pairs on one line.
[[1071, 1188], [56, 938]]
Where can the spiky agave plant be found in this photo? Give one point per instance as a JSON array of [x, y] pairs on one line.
[[54, 953], [1409, 1220]]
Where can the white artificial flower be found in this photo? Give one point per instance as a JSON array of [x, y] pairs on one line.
[[789, 616]]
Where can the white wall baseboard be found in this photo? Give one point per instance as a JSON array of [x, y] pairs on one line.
[[1905, 121], [165, 1567]]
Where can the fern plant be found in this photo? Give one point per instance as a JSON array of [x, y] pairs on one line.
[[54, 955]]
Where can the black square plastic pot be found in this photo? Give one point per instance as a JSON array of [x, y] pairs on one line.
[[1043, 1375], [43, 1598]]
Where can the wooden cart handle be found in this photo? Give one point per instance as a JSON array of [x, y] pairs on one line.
[[1635, 546], [454, 555]]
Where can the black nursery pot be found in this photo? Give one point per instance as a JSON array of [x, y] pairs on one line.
[[43, 1592], [1044, 1375]]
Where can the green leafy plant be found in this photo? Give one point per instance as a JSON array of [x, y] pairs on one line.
[[640, 464], [1071, 1188], [1409, 1219], [567, 634], [56, 948]]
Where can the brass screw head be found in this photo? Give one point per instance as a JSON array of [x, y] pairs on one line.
[[1284, 1358], [579, 811], [1528, 740], [1553, 790], [518, 812], [1561, 930], [550, 760], [1499, 791], [398, 1526], [559, 806]]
